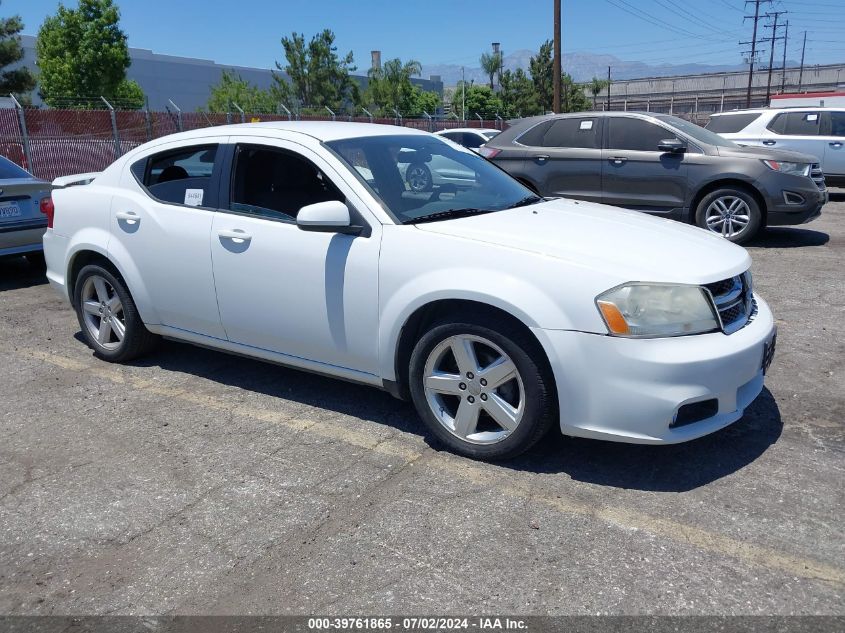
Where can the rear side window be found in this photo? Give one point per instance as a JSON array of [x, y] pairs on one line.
[[635, 134], [731, 123], [181, 176], [837, 124], [534, 136], [575, 133], [796, 123], [276, 184], [473, 141]]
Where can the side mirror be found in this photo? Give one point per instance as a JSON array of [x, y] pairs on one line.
[[326, 217], [672, 145]]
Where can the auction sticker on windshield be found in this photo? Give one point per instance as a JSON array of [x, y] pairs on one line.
[[9, 210]]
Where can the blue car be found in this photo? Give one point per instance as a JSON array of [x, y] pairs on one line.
[[25, 209]]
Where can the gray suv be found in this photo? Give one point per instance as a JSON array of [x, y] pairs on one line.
[[663, 165]]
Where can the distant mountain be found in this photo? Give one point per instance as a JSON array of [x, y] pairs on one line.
[[582, 67]]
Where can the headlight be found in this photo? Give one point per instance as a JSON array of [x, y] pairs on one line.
[[653, 309], [796, 169]]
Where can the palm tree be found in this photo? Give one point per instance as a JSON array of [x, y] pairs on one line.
[[596, 86], [491, 64]]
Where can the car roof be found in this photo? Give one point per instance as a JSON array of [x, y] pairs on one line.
[[782, 109], [320, 130]]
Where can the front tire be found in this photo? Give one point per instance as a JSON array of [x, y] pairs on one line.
[[482, 387], [108, 317], [730, 212]]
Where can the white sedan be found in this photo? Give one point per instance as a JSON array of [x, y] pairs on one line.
[[498, 313]]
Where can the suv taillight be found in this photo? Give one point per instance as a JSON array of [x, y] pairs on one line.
[[489, 152], [46, 207]]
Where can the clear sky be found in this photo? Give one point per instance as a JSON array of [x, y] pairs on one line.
[[247, 32]]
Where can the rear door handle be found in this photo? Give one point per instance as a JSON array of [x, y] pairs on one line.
[[835, 144], [236, 235], [769, 142], [130, 217], [618, 160]]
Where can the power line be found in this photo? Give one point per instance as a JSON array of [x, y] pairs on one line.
[[753, 47]]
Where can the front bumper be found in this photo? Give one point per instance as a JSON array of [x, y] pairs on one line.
[[795, 205], [630, 390]]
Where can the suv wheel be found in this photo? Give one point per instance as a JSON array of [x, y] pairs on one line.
[[481, 387], [418, 177], [108, 317], [732, 213]]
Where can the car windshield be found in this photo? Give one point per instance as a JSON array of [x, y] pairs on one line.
[[696, 132], [9, 170], [422, 178]]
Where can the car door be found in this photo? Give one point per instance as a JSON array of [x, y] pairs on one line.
[[307, 295], [798, 130], [160, 224], [563, 157], [638, 175], [833, 163]]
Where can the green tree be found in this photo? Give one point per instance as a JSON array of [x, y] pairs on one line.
[[390, 87], [480, 100], [491, 64], [517, 94], [19, 80], [595, 86], [541, 67], [232, 89], [424, 101], [82, 55], [574, 99], [316, 75]]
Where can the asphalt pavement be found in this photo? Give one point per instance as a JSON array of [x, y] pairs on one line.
[[193, 482]]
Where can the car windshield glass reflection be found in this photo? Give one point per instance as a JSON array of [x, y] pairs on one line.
[[423, 178]]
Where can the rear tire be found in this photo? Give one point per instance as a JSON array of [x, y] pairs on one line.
[[730, 212], [108, 316], [492, 402]]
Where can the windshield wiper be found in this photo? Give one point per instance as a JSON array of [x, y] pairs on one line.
[[527, 200], [448, 214]]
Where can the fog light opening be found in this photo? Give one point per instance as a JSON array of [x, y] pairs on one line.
[[790, 197], [695, 412]]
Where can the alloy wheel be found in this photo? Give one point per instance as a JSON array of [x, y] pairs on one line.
[[418, 177], [474, 389], [103, 312], [728, 216]]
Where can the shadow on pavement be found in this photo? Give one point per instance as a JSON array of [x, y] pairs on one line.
[[17, 272], [674, 468], [788, 237]]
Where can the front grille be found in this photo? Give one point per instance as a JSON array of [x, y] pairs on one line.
[[817, 175], [734, 301]]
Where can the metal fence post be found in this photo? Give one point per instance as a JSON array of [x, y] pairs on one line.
[[501, 121], [148, 121], [115, 135], [178, 115], [285, 108], [241, 110], [430, 123], [368, 113], [331, 112], [480, 120], [27, 154], [398, 116]]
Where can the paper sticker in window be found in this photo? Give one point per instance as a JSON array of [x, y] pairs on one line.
[[586, 125], [193, 197]]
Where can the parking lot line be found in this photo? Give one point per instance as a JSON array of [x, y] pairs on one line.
[[504, 483]]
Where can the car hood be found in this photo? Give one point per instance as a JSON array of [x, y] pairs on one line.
[[747, 151], [625, 244]]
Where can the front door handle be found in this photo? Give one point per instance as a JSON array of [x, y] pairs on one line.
[[835, 144], [618, 160], [236, 235], [542, 158], [769, 142], [130, 217]]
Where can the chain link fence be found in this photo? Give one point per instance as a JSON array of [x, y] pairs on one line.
[[57, 142]]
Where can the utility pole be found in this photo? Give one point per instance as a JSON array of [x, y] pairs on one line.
[[774, 27], [608, 88], [783, 65], [753, 43], [801, 72], [463, 94], [557, 61]]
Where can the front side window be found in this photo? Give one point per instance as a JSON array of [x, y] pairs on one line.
[[573, 132], [181, 176], [796, 123], [276, 184], [423, 178], [635, 134]]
